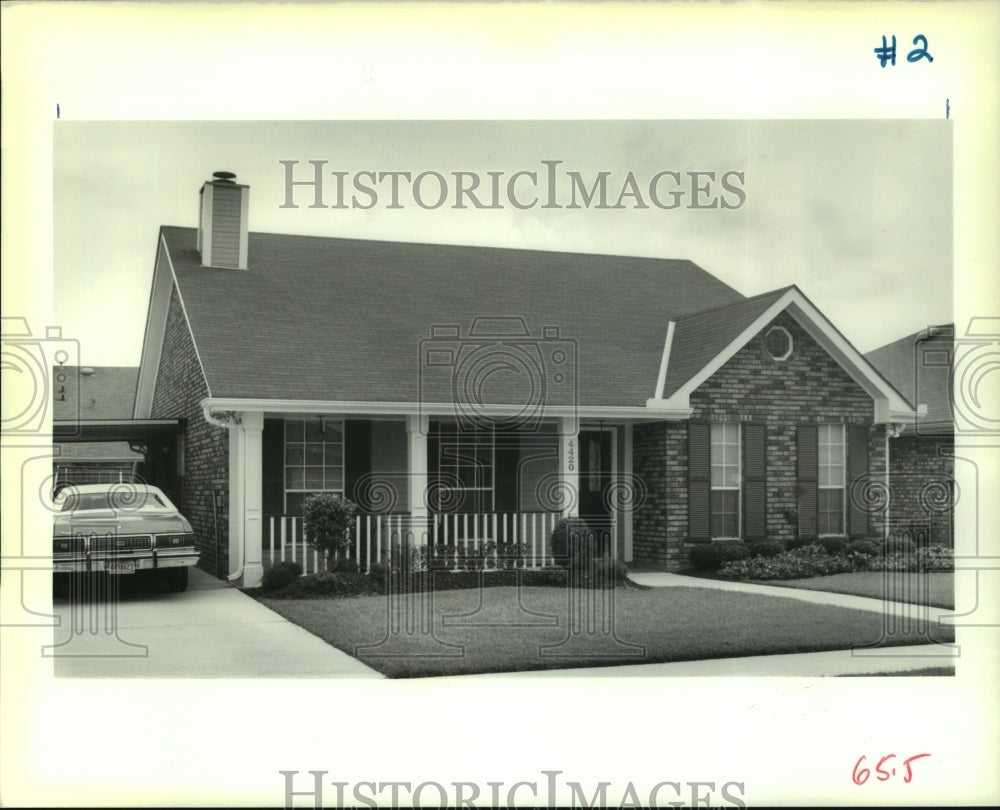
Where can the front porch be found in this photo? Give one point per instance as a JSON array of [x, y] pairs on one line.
[[445, 541], [457, 497]]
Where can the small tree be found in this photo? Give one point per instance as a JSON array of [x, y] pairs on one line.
[[572, 542], [328, 520]]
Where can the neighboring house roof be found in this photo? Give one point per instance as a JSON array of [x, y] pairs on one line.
[[919, 366], [316, 322], [341, 319], [96, 452], [94, 392]]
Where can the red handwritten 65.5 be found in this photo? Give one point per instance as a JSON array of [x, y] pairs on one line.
[[885, 769]]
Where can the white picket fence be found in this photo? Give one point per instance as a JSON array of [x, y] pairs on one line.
[[448, 539]]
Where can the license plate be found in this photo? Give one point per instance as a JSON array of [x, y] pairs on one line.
[[120, 567]]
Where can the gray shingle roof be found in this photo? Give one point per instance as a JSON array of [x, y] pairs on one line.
[[915, 366], [701, 336], [76, 452], [108, 392], [340, 319]]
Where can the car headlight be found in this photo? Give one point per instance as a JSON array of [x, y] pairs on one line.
[[62, 545], [174, 540]]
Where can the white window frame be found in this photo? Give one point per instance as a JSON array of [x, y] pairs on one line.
[[828, 429], [450, 436], [717, 435], [337, 424], [787, 335]]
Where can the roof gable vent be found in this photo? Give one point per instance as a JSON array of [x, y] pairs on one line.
[[223, 222]]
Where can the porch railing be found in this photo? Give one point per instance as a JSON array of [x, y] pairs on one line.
[[452, 541]]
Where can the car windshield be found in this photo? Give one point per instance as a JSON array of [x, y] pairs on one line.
[[121, 501]]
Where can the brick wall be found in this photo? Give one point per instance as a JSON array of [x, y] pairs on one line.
[[180, 387], [809, 386], [922, 485]]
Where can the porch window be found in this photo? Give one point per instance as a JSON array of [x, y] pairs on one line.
[[314, 460], [832, 464], [466, 464], [725, 479]]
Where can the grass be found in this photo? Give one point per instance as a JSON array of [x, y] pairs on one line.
[[935, 589], [513, 629]]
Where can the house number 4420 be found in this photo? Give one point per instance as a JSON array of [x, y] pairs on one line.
[[885, 770]]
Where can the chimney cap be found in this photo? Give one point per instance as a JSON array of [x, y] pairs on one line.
[[223, 177]]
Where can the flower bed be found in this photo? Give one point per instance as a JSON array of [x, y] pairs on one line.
[[814, 560]]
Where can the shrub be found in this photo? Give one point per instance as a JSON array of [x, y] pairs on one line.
[[936, 558], [510, 555], [565, 539], [346, 565], [326, 583], [833, 545], [328, 519], [712, 556], [545, 577], [807, 561], [377, 573], [280, 575], [606, 572], [868, 548], [766, 548]]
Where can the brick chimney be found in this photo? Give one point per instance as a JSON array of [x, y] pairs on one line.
[[223, 223]]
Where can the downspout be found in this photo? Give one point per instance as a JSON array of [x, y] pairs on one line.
[[226, 420]]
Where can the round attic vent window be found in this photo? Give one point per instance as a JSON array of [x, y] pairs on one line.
[[778, 343]]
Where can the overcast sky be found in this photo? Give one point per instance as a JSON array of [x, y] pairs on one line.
[[856, 213]]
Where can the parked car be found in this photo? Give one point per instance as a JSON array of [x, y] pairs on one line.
[[122, 529]]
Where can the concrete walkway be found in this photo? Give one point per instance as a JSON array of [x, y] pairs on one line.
[[664, 580], [212, 630]]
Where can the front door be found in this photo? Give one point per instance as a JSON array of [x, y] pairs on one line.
[[594, 480]]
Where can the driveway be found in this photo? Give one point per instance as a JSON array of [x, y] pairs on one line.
[[212, 630]]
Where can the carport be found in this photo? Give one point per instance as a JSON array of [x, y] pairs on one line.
[[160, 441]]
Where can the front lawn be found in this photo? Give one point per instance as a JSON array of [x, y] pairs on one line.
[[524, 629], [936, 589]]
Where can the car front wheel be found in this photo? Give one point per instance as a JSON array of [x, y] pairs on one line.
[[177, 579]]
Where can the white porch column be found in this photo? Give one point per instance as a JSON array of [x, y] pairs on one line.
[[569, 464], [236, 486], [629, 482], [253, 510], [416, 460]]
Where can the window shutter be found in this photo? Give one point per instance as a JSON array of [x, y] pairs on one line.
[[857, 466], [808, 481], [754, 481], [699, 480], [272, 463]]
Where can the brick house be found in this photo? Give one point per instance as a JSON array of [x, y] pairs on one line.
[[478, 394], [922, 487]]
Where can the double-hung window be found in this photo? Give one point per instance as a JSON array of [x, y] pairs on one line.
[[314, 460], [725, 479], [832, 451], [466, 461]]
